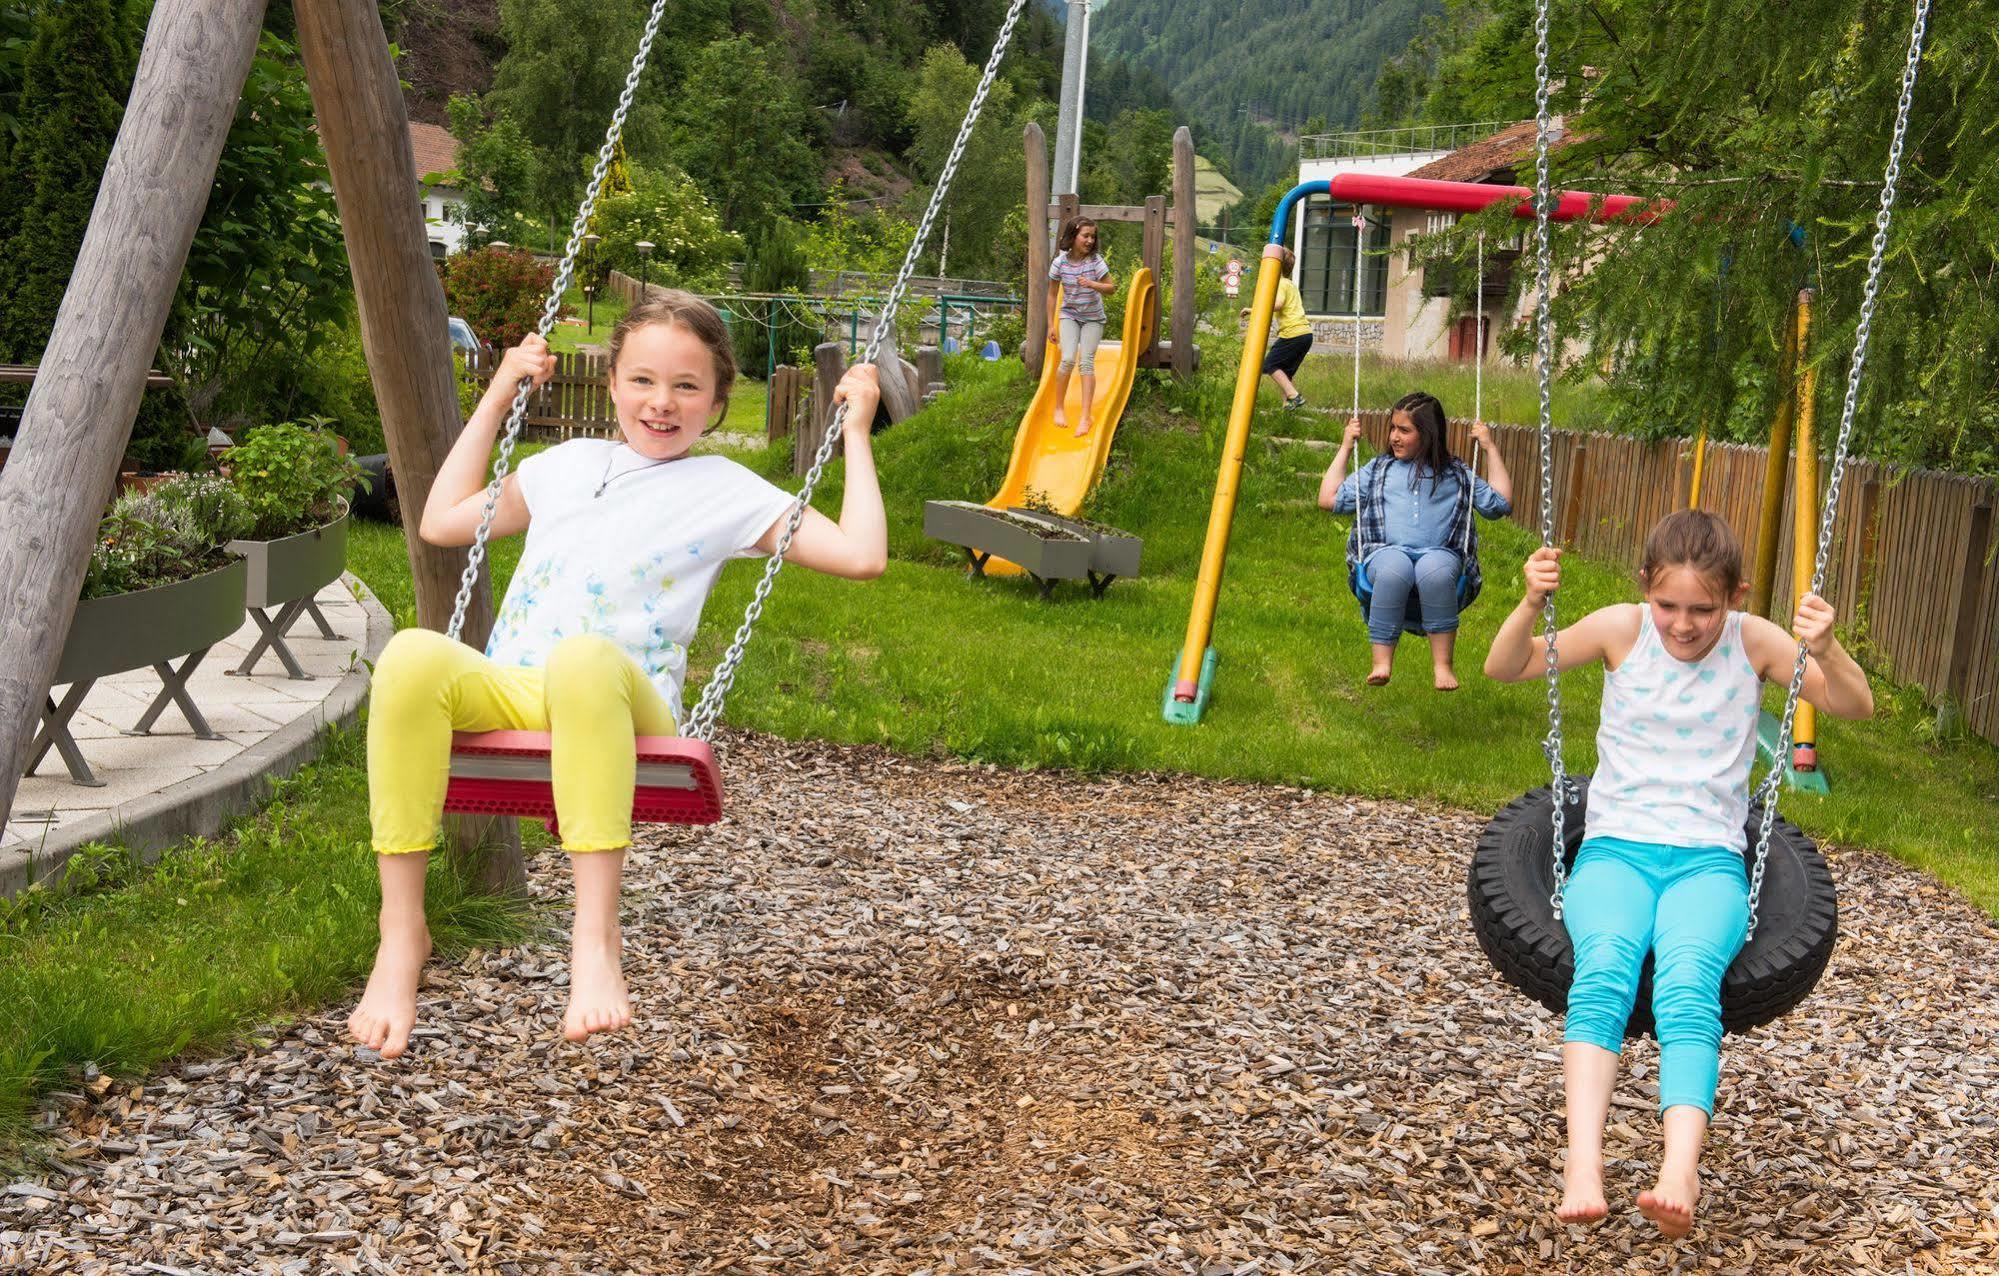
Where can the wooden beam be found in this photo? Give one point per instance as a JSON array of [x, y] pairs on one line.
[[365, 131], [1035, 345], [24, 374], [78, 418], [1182, 218], [829, 364], [1107, 212]]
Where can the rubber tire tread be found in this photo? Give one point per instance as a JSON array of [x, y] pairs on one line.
[[1512, 875]]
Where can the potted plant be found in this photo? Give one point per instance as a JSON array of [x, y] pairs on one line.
[[161, 585], [295, 479]]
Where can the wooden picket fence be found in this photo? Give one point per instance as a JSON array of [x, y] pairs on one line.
[[574, 403], [1912, 571]]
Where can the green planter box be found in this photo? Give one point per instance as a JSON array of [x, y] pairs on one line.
[[293, 567], [144, 628], [1112, 553], [150, 626], [1044, 552], [287, 574]]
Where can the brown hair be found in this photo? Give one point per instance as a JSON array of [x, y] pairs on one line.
[[677, 309], [1697, 540], [1072, 228], [1286, 259]]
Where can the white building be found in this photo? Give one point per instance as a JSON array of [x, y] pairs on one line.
[[1403, 315], [436, 154]]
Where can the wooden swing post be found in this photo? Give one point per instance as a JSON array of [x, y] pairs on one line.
[[365, 129]]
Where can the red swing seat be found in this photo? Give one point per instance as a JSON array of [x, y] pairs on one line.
[[507, 773]]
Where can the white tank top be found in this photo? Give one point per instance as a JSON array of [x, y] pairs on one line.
[[1675, 743]]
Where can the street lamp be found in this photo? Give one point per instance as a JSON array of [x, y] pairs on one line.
[[590, 242], [645, 247], [498, 243]]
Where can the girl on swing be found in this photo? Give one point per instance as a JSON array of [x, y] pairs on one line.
[[624, 541], [1661, 867], [1414, 533]]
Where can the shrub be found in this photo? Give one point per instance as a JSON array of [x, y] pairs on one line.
[[499, 291], [291, 478], [173, 532], [665, 208]]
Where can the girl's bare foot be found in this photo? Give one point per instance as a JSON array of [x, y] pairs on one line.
[[598, 1001], [1083, 427], [1061, 418], [1670, 1202], [1582, 1194], [388, 1006], [1444, 678]]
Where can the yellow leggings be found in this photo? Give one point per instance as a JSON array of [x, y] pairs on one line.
[[591, 699]]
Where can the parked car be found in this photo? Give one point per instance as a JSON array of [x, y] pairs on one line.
[[462, 337]]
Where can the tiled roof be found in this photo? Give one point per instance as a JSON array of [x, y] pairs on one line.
[[1501, 152], [435, 150]]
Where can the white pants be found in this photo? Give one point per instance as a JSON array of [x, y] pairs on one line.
[[1079, 344]]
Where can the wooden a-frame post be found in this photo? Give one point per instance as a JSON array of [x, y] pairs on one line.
[[79, 415], [365, 129]]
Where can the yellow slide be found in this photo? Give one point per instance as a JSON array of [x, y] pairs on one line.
[[1051, 467]]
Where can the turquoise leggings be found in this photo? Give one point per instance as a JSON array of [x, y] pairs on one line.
[[1688, 906]]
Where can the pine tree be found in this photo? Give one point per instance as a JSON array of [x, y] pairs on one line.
[[77, 74]]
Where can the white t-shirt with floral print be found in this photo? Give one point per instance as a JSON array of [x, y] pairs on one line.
[[627, 548]]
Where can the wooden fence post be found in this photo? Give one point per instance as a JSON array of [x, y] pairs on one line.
[[829, 364], [1185, 215], [1969, 601], [930, 371], [1035, 344], [1867, 516]]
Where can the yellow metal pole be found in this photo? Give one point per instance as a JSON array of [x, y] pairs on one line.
[[1187, 678], [1700, 463], [1775, 467], [1805, 523]]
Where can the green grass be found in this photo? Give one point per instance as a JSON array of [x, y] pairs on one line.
[[1512, 394], [602, 316], [125, 968]]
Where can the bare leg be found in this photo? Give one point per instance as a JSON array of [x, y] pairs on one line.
[[1089, 393], [1384, 663], [1588, 1073], [1670, 1203], [1441, 674], [388, 1006], [1283, 380], [1061, 395], [597, 998]]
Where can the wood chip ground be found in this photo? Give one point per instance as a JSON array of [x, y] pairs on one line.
[[899, 1016]]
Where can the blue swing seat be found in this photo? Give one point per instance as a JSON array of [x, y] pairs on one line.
[[1412, 619]]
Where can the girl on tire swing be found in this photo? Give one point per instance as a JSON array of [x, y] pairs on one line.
[[1661, 865]]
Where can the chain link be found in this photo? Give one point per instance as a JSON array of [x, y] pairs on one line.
[[469, 579], [1883, 218], [1544, 354], [707, 711]]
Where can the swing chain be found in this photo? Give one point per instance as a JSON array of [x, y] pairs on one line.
[[1544, 348], [701, 723], [469, 579], [1883, 218]]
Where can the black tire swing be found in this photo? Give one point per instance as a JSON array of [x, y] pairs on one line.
[[1521, 861]]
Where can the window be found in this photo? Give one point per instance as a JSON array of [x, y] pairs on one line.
[[1326, 267], [437, 249]]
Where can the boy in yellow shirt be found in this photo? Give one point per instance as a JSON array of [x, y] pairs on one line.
[[1294, 334]]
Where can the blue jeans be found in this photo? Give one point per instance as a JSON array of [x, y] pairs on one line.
[[1393, 573], [1688, 906]]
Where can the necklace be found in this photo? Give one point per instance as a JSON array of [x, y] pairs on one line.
[[610, 478]]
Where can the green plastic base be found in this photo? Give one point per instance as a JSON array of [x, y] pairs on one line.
[[1182, 713], [1795, 780]]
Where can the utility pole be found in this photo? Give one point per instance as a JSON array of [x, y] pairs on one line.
[[1069, 122]]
